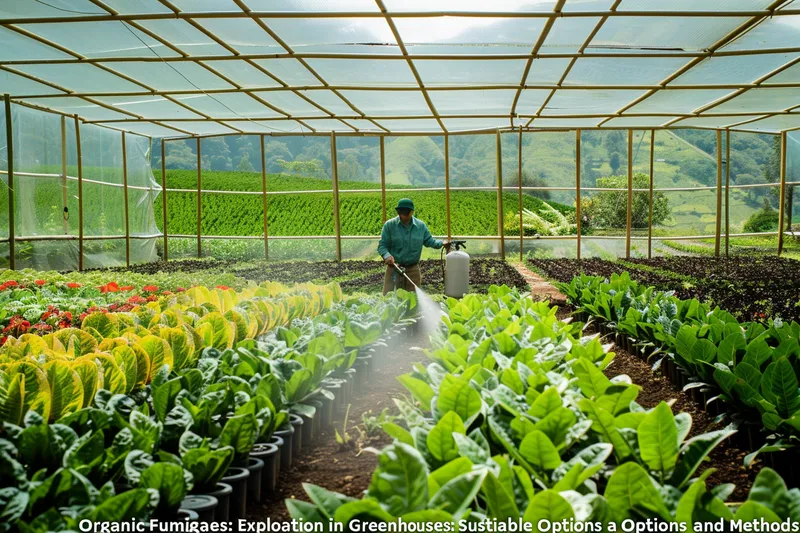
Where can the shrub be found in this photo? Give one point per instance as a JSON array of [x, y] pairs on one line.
[[762, 221]]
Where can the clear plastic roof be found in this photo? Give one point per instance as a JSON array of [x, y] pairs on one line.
[[176, 68]]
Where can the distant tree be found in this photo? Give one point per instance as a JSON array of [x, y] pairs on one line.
[[589, 175], [308, 169], [609, 209], [615, 162], [350, 169], [531, 180], [615, 142], [180, 155], [244, 164], [216, 154], [762, 221]]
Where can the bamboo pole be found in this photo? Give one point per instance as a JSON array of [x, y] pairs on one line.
[[447, 184], [718, 227], [650, 198], [64, 197], [125, 199], [500, 197], [264, 198], [164, 198], [629, 218], [782, 195], [578, 190], [727, 191], [519, 190], [10, 154], [199, 200], [80, 193], [383, 179], [335, 180]]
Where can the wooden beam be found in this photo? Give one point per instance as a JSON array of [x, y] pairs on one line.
[[10, 155], [199, 199], [447, 184], [164, 198], [80, 193], [577, 189], [519, 191], [500, 229], [264, 198], [125, 199], [718, 226], [335, 180], [782, 195], [629, 218], [64, 196], [383, 177], [650, 198], [727, 191]]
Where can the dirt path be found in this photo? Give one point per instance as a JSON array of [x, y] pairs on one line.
[[541, 288], [344, 469]]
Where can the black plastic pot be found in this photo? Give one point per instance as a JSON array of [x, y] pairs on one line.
[[350, 375], [360, 367], [325, 411], [336, 390], [367, 361], [287, 434], [223, 495], [308, 428], [255, 466], [270, 454], [297, 440], [278, 443], [316, 422], [236, 477], [202, 504]]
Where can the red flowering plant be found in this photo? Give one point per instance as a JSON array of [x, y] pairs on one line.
[[111, 286], [10, 284], [16, 327], [150, 288], [40, 282], [73, 285]]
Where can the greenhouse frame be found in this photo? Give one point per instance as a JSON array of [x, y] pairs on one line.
[[92, 87]]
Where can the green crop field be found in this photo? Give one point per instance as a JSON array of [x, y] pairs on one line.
[[472, 212]]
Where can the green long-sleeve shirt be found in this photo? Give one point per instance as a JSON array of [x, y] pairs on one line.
[[405, 243]]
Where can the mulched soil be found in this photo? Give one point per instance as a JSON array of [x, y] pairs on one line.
[[337, 468], [727, 459]]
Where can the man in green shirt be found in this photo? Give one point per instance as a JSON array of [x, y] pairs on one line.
[[402, 239]]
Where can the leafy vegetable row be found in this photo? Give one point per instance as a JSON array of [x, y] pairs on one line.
[[754, 366], [514, 418], [137, 454]]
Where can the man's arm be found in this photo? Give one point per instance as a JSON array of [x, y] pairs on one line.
[[429, 241], [383, 245]]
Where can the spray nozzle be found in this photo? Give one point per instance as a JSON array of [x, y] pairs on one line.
[[458, 244]]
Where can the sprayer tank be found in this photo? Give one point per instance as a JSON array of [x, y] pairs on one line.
[[456, 274]]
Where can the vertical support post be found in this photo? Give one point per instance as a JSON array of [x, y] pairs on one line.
[[164, 198], [727, 190], [80, 193], [264, 198], [578, 189], [64, 197], [718, 228], [500, 198], [335, 176], [650, 198], [519, 191], [199, 199], [447, 184], [10, 152], [125, 199], [383, 178], [629, 219], [782, 195]]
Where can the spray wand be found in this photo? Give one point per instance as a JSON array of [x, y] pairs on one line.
[[403, 272]]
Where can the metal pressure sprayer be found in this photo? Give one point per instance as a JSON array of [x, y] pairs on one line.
[[456, 270]]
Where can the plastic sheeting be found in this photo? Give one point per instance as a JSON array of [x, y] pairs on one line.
[[46, 200]]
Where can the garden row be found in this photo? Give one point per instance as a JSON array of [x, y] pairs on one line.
[[361, 276], [746, 370], [513, 419], [752, 288], [144, 412]]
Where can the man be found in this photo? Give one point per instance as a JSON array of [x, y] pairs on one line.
[[402, 239]]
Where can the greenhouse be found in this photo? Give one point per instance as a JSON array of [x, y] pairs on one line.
[[460, 263]]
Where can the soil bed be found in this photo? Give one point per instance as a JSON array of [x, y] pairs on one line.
[[325, 462], [727, 459]]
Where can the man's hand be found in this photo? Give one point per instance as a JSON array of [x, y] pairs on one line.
[[446, 245], [389, 260]]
